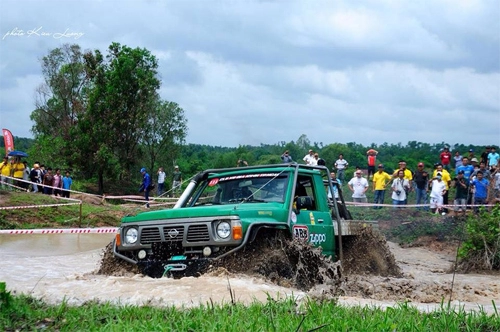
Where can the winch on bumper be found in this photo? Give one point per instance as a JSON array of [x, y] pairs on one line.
[[160, 246]]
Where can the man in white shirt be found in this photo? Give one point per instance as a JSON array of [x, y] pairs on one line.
[[358, 185], [314, 160], [308, 158], [437, 192], [161, 181], [341, 164]]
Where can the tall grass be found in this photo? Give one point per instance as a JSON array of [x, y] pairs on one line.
[[27, 313]]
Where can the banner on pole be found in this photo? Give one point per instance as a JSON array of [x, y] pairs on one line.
[[8, 140]]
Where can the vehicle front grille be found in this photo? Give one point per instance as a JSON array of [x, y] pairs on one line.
[[173, 233], [150, 235], [198, 233]]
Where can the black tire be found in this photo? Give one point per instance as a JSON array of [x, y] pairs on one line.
[[151, 269]]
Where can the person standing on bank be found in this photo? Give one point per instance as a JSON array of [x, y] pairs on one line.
[[421, 179], [35, 176], [286, 158], [372, 159], [161, 181], [5, 173], [462, 191], [176, 181], [445, 158], [145, 186], [58, 182], [481, 189], [341, 165], [67, 181], [48, 182], [26, 176], [400, 186], [380, 181], [438, 189], [358, 185], [309, 157]]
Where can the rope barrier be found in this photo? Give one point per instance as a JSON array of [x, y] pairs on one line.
[[358, 204], [102, 230], [34, 206]]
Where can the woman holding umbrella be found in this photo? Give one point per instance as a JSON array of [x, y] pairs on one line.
[[17, 167]]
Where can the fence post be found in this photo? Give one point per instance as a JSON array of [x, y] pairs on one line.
[[80, 217]]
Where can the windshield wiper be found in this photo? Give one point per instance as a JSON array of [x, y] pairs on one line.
[[247, 200], [256, 200]]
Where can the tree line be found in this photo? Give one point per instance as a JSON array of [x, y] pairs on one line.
[[193, 158]]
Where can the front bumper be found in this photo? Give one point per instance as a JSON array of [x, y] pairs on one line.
[[194, 239]]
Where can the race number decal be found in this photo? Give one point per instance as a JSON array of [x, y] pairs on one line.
[[213, 182], [300, 232], [317, 238]]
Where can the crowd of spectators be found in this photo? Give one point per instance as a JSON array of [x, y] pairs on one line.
[[476, 181], [37, 179]]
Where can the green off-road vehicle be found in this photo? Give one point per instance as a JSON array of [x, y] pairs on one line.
[[223, 210]]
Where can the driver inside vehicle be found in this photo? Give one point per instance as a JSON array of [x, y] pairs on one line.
[[243, 191]]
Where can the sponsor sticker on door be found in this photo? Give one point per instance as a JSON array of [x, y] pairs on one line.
[[300, 232]]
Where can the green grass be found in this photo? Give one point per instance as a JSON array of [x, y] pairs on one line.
[[27, 313]]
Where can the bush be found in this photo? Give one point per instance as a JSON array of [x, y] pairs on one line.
[[481, 247]]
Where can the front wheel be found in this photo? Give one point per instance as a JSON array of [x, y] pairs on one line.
[[151, 269]]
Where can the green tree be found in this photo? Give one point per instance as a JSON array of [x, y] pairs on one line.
[[123, 87], [164, 133], [60, 100], [303, 143]]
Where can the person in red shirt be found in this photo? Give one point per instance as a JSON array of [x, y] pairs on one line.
[[372, 159], [445, 157]]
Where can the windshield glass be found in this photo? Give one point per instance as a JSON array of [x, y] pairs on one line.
[[258, 187]]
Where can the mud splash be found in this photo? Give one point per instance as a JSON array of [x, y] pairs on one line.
[[112, 266], [284, 262], [367, 253], [292, 263]]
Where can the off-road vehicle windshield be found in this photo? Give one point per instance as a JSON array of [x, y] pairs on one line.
[[257, 187]]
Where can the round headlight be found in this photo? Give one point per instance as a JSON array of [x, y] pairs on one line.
[[223, 229], [131, 235]]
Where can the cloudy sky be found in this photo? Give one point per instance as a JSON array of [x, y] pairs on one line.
[[251, 72]]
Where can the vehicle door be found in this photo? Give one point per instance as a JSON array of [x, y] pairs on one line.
[[313, 220]]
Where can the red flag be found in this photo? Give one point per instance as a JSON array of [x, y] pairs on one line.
[[9, 140]]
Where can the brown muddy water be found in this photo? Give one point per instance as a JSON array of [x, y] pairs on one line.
[[57, 267]]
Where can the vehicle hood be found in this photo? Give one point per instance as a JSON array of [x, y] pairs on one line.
[[268, 210]]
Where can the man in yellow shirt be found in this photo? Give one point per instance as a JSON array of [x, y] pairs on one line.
[[18, 171], [446, 178], [4, 172], [408, 174], [380, 181]]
